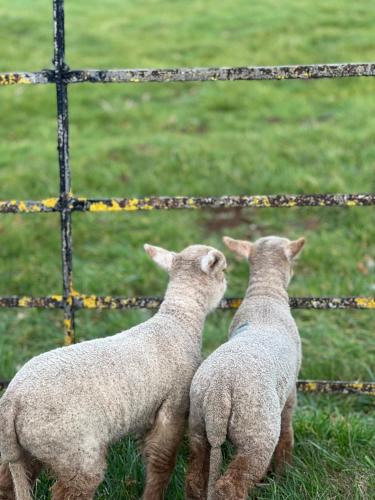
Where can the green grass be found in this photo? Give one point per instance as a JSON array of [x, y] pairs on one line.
[[200, 139]]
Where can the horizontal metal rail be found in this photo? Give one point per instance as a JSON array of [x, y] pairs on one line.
[[183, 202], [82, 301], [311, 386], [289, 72], [338, 386]]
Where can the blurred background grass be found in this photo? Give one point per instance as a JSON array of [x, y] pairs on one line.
[[200, 139]]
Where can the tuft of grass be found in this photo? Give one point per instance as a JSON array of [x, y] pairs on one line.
[[200, 139]]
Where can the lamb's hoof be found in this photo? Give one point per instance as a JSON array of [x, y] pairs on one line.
[[7, 495], [195, 494]]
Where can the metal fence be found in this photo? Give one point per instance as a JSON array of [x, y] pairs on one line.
[[70, 301]]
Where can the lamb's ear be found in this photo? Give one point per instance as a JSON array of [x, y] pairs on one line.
[[240, 247], [163, 258], [214, 260], [294, 248]]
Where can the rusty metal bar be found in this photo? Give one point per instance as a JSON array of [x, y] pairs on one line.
[[26, 78], [30, 206], [313, 386], [289, 72], [82, 301], [50, 302], [64, 166], [329, 386], [184, 202]]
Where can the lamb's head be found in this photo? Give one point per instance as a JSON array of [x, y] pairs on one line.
[[270, 255], [199, 269]]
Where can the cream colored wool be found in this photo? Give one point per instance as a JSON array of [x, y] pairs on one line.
[[240, 390], [66, 406]]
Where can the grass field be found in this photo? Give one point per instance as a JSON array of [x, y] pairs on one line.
[[200, 139]]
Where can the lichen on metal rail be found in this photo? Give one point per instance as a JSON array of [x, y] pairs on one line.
[[164, 75], [186, 202], [83, 301]]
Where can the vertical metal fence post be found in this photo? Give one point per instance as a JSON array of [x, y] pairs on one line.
[[65, 176]]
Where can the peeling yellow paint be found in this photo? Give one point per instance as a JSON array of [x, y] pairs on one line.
[[24, 301], [310, 386], [132, 204], [68, 340], [22, 206], [351, 203], [365, 302], [89, 301], [50, 202], [292, 203], [58, 298], [266, 201], [261, 201], [236, 303], [134, 80], [13, 79], [67, 323], [191, 203], [98, 206], [34, 208]]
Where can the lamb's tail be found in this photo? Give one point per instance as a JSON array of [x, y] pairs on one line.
[[217, 420], [10, 450], [215, 466]]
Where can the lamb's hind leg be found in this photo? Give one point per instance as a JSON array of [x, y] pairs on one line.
[[246, 469], [79, 476], [284, 448], [199, 457], [79, 487], [198, 468], [6, 483], [160, 451]]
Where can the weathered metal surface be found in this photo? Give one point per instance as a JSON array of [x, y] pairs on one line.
[[107, 302], [184, 202], [25, 78], [50, 302], [259, 201], [302, 72], [64, 166], [312, 386], [29, 206], [332, 302], [290, 72], [81, 301], [337, 386]]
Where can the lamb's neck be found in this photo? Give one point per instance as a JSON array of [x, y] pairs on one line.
[[268, 283], [263, 293], [187, 305]]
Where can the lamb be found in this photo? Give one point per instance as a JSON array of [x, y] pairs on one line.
[[246, 390], [66, 406]]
